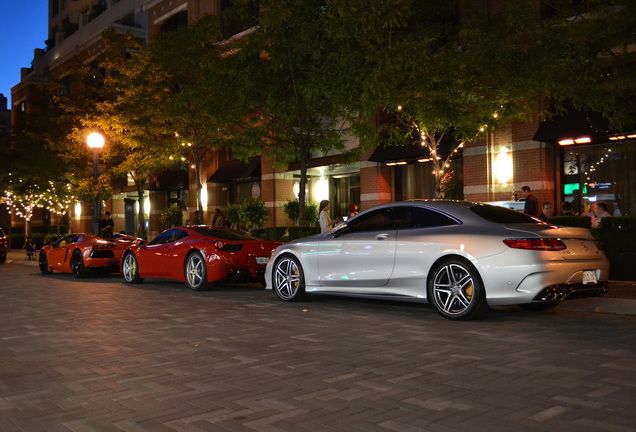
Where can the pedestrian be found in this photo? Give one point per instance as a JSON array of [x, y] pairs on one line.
[[531, 206], [600, 212], [106, 226], [217, 218], [197, 218], [547, 211], [566, 209], [353, 209], [325, 220], [29, 247]]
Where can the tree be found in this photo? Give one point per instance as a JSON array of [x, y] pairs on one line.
[[189, 105], [276, 77]]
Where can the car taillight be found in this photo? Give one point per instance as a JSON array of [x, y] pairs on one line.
[[536, 244], [219, 245]]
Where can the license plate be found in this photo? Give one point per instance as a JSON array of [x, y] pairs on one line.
[[262, 260], [589, 277]]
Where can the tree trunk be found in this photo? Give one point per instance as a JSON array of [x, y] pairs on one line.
[[301, 191]]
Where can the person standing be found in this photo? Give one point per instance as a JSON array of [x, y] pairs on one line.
[[325, 220], [217, 218], [547, 211], [566, 208], [599, 211], [197, 218], [531, 206], [353, 210], [106, 226]]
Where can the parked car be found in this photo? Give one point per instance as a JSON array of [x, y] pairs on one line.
[[83, 254], [198, 255], [3, 247], [461, 257]]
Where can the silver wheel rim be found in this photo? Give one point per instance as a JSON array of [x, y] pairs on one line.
[[453, 289], [194, 271], [287, 278], [130, 268]]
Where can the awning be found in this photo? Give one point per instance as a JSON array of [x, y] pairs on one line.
[[573, 124], [399, 153], [237, 170], [171, 181], [411, 152]]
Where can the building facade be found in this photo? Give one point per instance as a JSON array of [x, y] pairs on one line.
[[596, 165]]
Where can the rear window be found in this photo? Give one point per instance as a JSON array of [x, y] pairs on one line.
[[222, 233], [502, 215]]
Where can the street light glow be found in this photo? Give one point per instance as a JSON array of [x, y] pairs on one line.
[[95, 140]]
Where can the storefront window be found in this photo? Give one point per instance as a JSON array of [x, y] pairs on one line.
[[602, 173]]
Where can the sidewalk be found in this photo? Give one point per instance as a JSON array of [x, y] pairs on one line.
[[621, 299]]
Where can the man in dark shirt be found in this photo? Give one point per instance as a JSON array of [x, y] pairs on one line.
[[106, 226], [531, 206]]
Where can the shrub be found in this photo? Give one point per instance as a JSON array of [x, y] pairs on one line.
[[292, 211], [171, 217], [250, 214]]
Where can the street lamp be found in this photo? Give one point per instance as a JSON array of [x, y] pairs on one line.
[[95, 142]]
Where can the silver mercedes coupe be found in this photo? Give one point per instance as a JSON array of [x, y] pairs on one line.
[[461, 257]]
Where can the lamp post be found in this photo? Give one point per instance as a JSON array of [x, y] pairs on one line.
[[95, 142]]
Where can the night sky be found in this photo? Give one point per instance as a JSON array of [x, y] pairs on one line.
[[23, 27]]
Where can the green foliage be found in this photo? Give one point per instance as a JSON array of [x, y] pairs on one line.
[[171, 217], [285, 233], [452, 187], [618, 234], [251, 213], [90, 189], [571, 221], [292, 211]]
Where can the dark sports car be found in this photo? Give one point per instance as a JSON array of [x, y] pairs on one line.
[[81, 254], [198, 255]]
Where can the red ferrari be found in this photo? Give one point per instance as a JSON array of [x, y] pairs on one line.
[[198, 255], [81, 254]]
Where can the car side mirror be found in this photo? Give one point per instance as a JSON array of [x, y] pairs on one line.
[[339, 229]]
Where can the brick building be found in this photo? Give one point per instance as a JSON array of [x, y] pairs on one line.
[[599, 164]]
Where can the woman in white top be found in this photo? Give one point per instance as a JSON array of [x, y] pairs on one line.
[[325, 220]]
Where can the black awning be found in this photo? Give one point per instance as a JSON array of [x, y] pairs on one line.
[[171, 181], [237, 170], [412, 151], [572, 124], [399, 153]]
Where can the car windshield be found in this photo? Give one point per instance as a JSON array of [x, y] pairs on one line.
[[222, 233], [502, 215]]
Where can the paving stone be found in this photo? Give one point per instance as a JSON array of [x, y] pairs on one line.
[[98, 355]]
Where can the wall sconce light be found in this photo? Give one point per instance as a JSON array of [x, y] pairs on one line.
[[503, 166]]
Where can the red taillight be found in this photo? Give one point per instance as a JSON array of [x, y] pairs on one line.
[[536, 244], [219, 245]]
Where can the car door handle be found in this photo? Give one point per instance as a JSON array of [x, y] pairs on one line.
[[382, 237]]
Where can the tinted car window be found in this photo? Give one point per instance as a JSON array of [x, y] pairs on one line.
[[373, 221], [169, 236], [502, 215], [418, 217], [222, 233]]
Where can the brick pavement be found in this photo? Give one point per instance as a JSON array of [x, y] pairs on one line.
[[96, 355]]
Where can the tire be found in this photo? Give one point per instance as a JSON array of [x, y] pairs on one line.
[[288, 279], [539, 307], [130, 269], [456, 291], [43, 262], [3, 258], [77, 265], [196, 273]]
